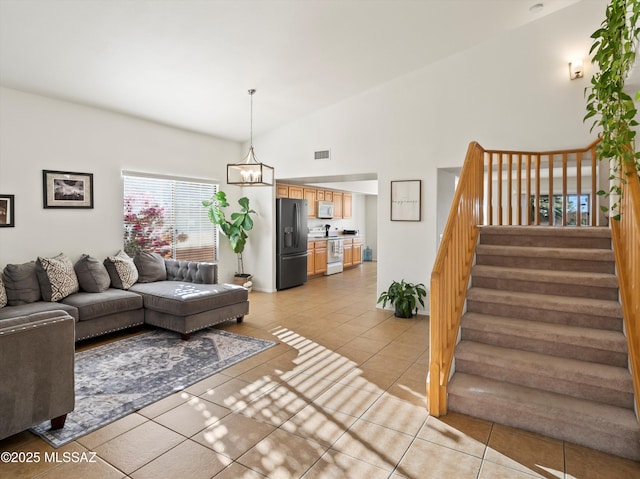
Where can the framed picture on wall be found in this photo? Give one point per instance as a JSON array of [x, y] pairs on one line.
[[406, 200], [7, 210], [63, 189]]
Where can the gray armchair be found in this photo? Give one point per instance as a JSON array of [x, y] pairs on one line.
[[36, 371]]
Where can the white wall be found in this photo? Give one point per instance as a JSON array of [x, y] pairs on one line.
[[512, 92], [39, 133]]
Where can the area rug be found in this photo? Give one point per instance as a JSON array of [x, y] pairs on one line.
[[118, 378]]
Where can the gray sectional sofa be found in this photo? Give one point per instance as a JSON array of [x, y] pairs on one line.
[[120, 292], [36, 367]]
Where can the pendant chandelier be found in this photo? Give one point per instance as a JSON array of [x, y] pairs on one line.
[[250, 172]]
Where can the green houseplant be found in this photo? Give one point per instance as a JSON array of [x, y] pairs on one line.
[[404, 297], [611, 109], [234, 228]]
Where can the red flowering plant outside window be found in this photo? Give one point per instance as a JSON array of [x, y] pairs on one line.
[[146, 228]]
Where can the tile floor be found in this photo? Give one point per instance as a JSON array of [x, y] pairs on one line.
[[341, 396]]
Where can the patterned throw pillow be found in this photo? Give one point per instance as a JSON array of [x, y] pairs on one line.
[[57, 277], [122, 271], [3, 294]]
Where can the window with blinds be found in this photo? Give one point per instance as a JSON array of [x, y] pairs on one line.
[[166, 216]]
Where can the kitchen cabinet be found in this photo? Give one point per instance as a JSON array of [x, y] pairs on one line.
[[352, 252], [311, 264], [282, 191], [317, 259], [320, 195], [357, 251], [296, 192], [347, 205], [337, 204], [347, 260], [328, 195], [310, 196]]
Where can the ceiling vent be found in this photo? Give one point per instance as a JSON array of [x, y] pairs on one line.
[[322, 155]]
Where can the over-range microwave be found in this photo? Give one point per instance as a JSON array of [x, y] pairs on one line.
[[325, 209]]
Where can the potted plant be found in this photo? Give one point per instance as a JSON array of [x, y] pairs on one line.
[[404, 296], [235, 228]]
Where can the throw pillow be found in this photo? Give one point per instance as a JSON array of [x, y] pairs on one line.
[[92, 274], [57, 277], [150, 267], [21, 283], [3, 294], [122, 270]]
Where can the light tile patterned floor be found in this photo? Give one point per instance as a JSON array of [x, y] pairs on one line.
[[341, 396]]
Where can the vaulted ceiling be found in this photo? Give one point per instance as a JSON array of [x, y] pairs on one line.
[[189, 64]]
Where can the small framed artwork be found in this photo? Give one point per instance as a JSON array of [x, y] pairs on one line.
[[406, 200], [63, 189], [7, 210]]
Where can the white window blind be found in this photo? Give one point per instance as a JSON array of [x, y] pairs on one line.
[[166, 216]]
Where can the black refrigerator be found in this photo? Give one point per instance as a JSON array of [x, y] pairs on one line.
[[291, 243]]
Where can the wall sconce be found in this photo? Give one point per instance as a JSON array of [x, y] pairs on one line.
[[576, 69]]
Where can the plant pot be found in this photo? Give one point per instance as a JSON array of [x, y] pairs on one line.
[[242, 279], [399, 314]]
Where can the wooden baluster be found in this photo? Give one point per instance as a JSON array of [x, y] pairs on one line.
[[537, 201], [519, 189], [509, 188], [499, 189], [579, 188], [552, 210], [490, 186], [564, 188], [594, 187], [528, 191]]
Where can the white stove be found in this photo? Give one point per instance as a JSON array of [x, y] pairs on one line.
[[335, 251]]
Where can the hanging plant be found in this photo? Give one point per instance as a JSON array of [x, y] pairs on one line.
[[612, 109]]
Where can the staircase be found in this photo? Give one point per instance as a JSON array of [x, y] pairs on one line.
[[542, 345]]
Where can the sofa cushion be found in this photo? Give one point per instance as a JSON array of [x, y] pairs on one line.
[[182, 298], [21, 283], [35, 307], [150, 267], [122, 270], [192, 271], [95, 305], [57, 277], [92, 274], [3, 294]]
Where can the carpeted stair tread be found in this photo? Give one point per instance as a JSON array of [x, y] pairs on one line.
[[564, 283], [582, 278], [587, 344], [583, 237], [589, 254], [593, 232], [547, 302], [599, 426], [587, 380]]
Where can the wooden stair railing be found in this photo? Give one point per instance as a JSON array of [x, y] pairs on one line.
[[555, 182], [626, 245], [512, 174], [450, 275]]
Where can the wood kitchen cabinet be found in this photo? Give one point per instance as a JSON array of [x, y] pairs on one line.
[[317, 259], [337, 204], [352, 252], [310, 196], [357, 251], [347, 260], [347, 205], [328, 195], [296, 192], [282, 191]]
